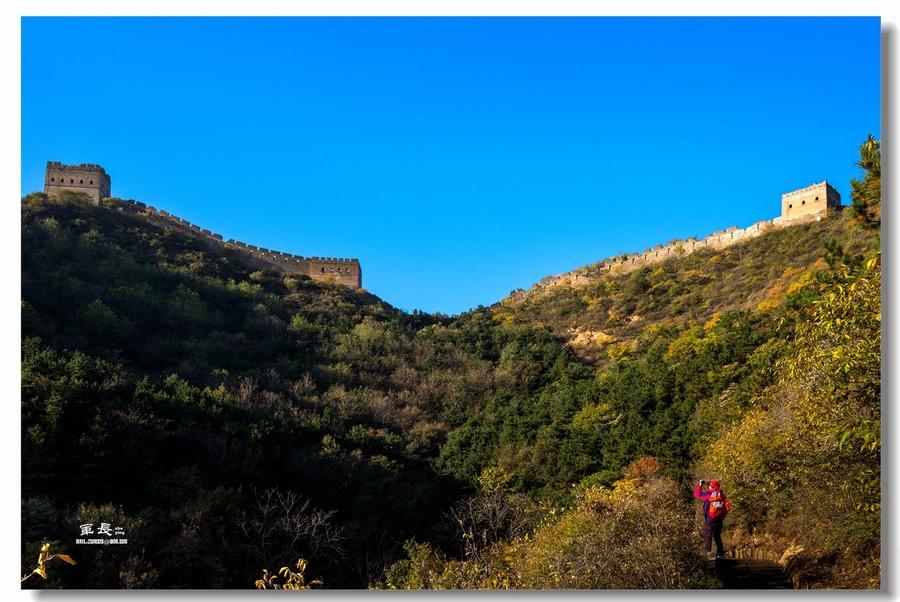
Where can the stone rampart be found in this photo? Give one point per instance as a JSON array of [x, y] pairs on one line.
[[329, 269], [720, 239]]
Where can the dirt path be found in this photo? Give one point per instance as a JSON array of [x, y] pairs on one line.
[[750, 574]]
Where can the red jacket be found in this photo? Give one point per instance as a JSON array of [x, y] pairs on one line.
[[715, 503]]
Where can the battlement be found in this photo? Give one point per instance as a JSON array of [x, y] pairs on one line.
[[330, 269], [58, 165], [335, 259], [92, 180], [811, 187], [799, 206]]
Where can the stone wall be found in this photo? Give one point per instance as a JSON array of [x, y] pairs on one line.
[[327, 269], [87, 178], [811, 200], [798, 206], [625, 263], [343, 271]]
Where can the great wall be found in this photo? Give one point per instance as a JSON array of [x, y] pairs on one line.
[[332, 269], [88, 178], [800, 206], [92, 180]]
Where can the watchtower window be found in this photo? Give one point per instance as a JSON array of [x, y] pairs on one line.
[[91, 181], [71, 180], [81, 181], [804, 202], [52, 179], [790, 206], [322, 270], [817, 198]]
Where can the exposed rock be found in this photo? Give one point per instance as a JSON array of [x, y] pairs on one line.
[[790, 556], [589, 339]]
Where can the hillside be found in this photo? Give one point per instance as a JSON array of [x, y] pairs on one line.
[[234, 418], [170, 380], [604, 310]]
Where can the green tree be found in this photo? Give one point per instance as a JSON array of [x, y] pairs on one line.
[[816, 433], [866, 193]]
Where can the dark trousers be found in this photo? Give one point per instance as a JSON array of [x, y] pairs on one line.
[[713, 531]]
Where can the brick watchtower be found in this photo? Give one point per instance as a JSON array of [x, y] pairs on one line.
[[813, 201], [87, 177]]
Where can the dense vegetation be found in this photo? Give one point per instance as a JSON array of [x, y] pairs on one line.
[[233, 420]]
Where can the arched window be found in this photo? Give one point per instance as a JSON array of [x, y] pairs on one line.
[[52, 179], [81, 181], [790, 206], [91, 181], [71, 180], [804, 202], [322, 270]]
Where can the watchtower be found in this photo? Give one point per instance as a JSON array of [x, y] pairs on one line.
[[86, 177], [815, 199]]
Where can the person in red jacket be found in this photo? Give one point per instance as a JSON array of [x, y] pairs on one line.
[[715, 506]]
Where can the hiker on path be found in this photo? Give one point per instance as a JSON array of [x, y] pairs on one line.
[[715, 506]]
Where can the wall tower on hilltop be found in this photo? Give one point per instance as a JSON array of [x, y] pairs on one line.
[[814, 200], [93, 180], [87, 177]]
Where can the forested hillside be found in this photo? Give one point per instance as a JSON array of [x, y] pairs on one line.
[[233, 420]]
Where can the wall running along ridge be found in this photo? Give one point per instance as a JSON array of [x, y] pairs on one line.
[[93, 180], [797, 207], [327, 269], [801, 206]]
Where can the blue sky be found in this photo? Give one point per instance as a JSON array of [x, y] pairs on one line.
[[456, 158]]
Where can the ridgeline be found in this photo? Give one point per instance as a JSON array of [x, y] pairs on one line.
[[234, 418]]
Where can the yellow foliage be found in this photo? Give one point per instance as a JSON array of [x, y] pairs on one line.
[[43, 558], [493, 479], [805, 278], [504, 316], [710, 324], [292, 580], [636, 534], [594, 416], [818, 428], [619, 351], [688, 343], [767, 305]]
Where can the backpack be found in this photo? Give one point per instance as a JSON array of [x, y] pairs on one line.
[[719, 505]]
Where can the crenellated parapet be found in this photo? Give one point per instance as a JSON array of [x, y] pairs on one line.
[[329, 269], [814, 203]]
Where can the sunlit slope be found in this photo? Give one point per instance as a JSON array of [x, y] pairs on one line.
[[756, 274]]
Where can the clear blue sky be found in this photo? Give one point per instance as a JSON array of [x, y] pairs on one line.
[[456, 158]]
